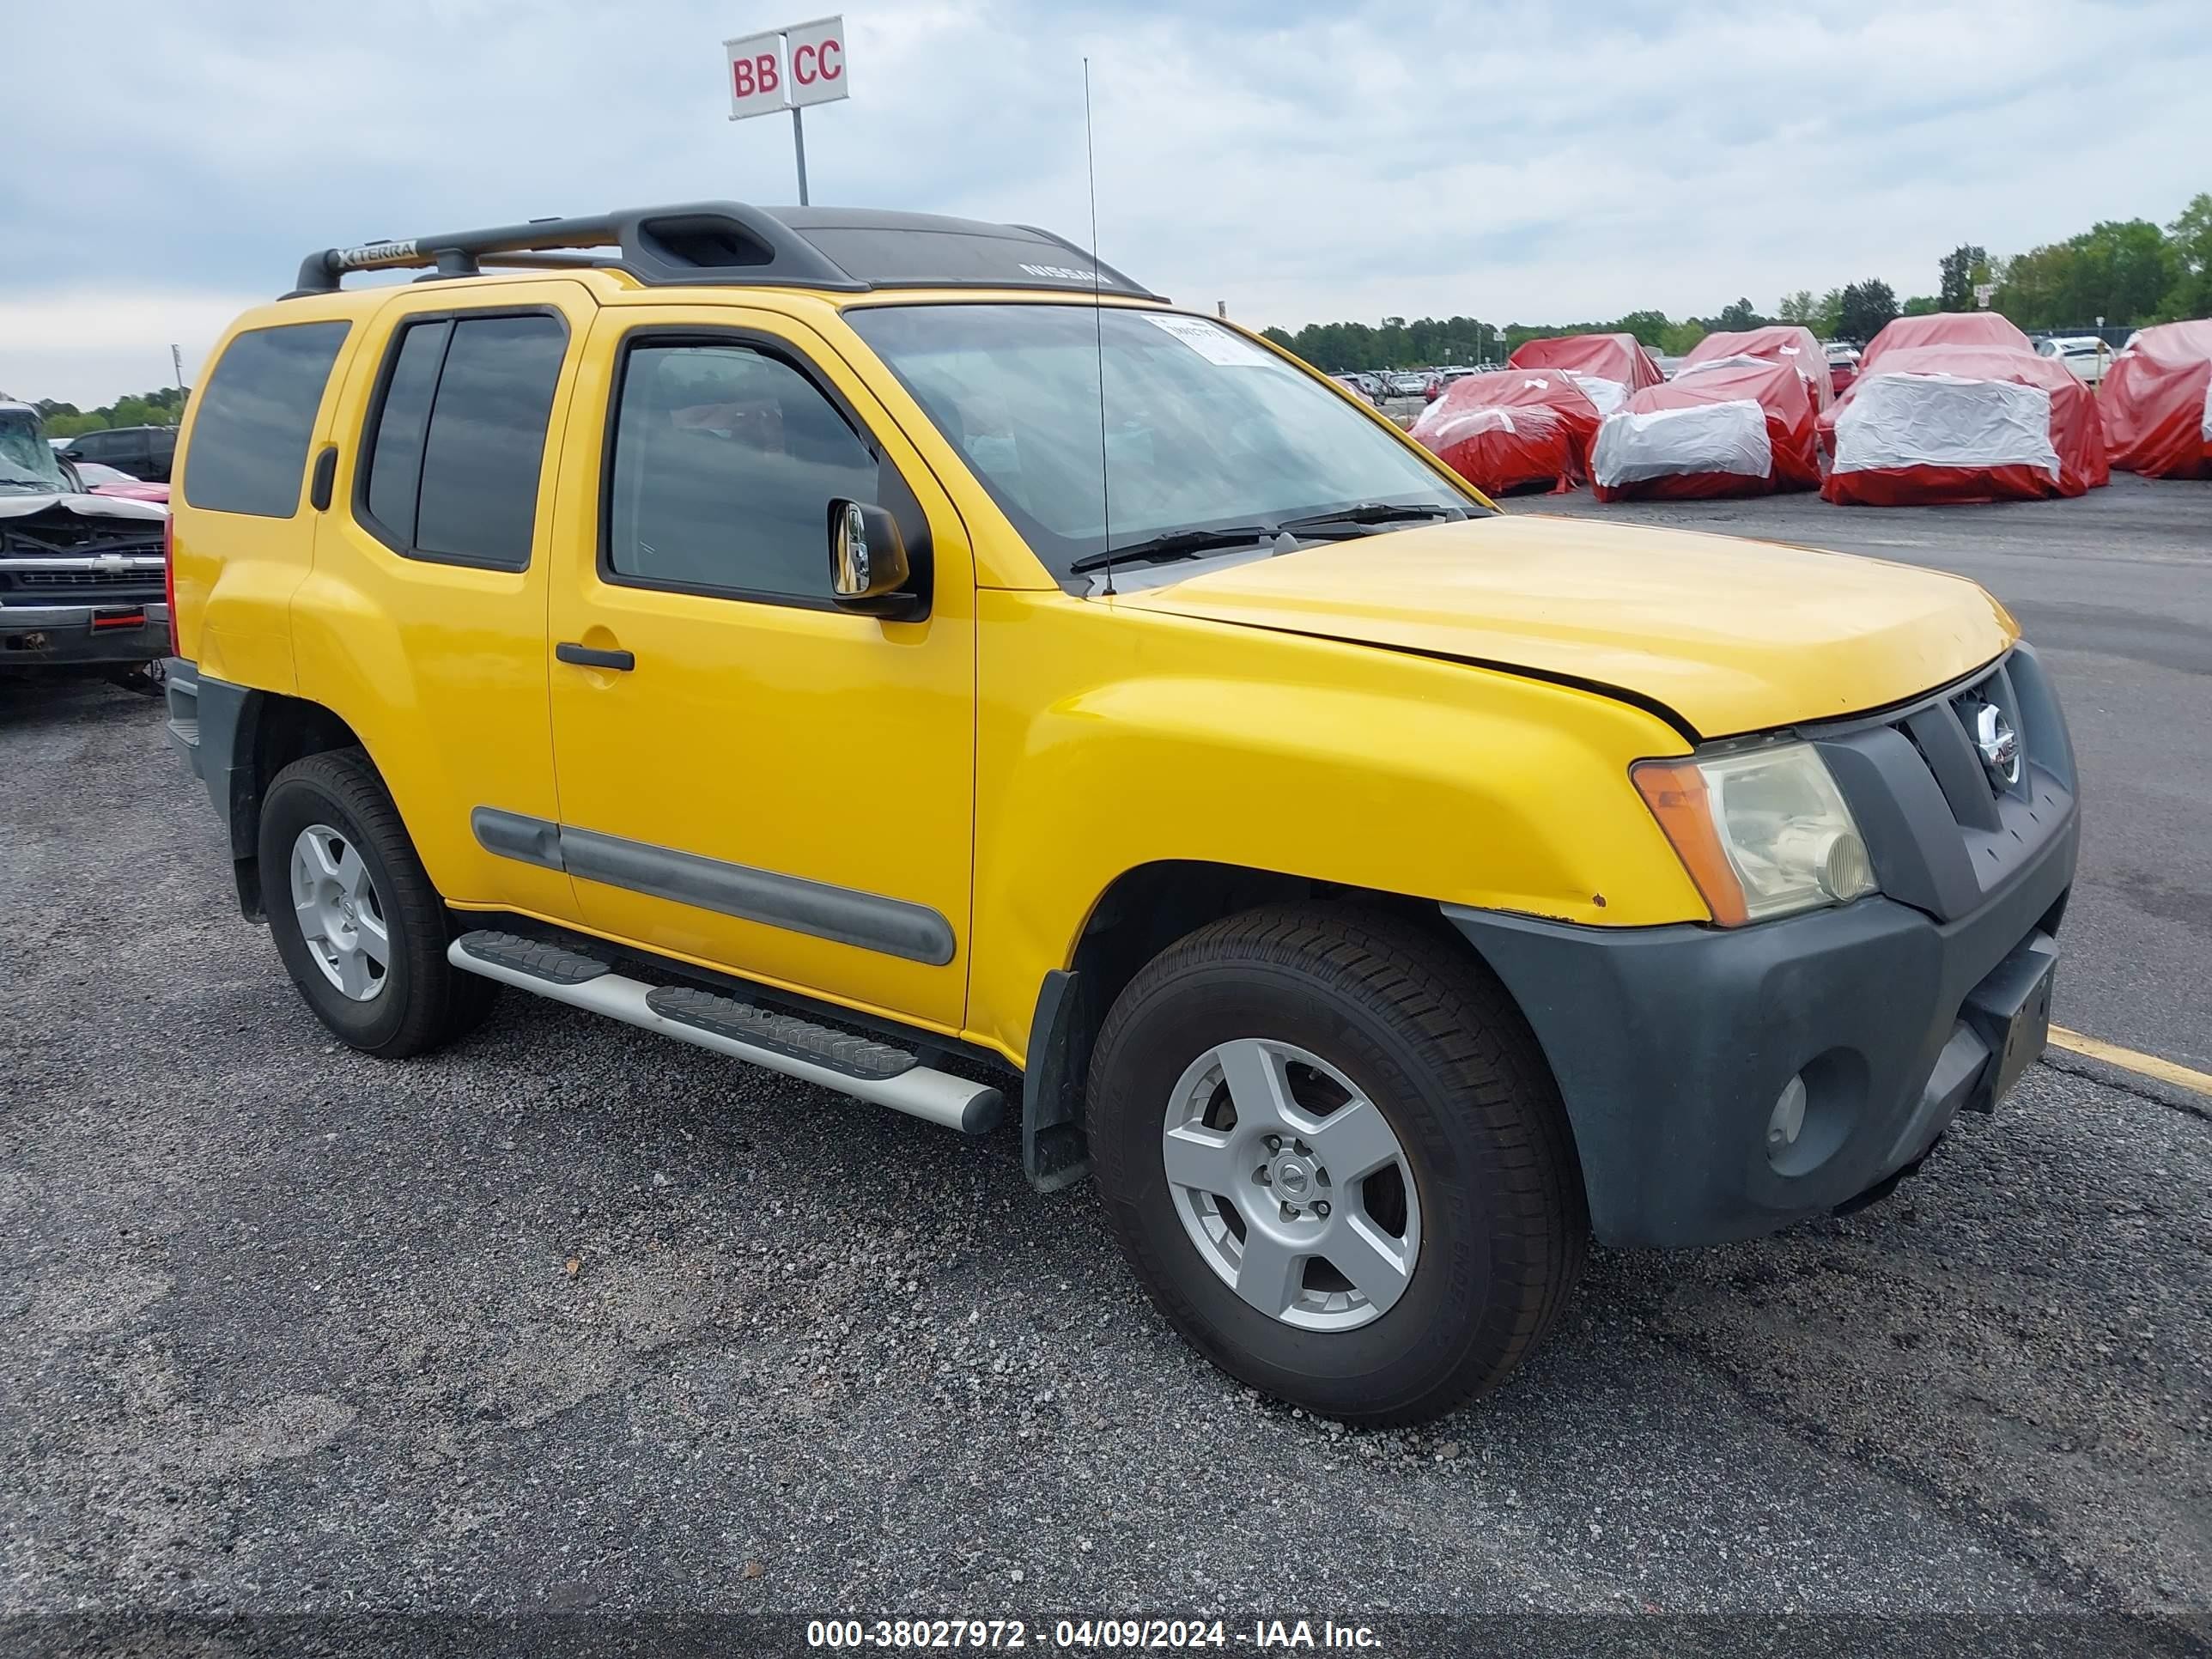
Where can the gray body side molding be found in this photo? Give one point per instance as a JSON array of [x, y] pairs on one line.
[[895, 926]]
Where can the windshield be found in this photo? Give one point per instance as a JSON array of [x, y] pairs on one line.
[[26, 460], [1202, 429]]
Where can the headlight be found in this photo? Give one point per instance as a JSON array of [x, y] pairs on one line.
[[1763, 832]]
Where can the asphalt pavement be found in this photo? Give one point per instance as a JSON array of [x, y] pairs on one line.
[[571, 1318]]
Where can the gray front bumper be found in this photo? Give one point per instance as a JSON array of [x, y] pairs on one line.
[[1671, 1044]]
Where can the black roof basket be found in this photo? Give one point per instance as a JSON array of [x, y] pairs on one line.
[[839, 250]]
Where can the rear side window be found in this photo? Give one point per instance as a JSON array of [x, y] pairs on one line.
[[257, 418], [457, 440]]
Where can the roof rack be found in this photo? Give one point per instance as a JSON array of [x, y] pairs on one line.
[[838, 250]]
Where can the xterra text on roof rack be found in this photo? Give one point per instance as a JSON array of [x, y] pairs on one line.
[[761, 626]]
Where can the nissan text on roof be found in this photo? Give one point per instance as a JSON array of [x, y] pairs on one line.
[[760, 626]]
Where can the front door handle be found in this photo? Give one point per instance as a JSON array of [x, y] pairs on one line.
[[590, 656]]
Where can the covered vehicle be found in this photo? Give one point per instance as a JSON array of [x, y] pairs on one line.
[[1608, 367], [1518, 430], [1788, 344], [1944, 328], [1737, 427], [1932, 424], [82, 579], [2156, 402]]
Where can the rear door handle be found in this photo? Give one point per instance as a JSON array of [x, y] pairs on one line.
[[589, 656]]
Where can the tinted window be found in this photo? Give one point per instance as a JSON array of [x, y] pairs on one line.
[[395, 451], [256, 418], [478, 497], [726, 462]]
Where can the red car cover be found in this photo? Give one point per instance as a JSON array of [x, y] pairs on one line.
[[1728, 429], [1964, 423], [1607, 366], [1781, 342], [1945, 328], [2156, 402], [1510, 430]]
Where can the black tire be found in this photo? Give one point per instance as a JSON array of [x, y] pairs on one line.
[[424, 1001], [1426, 1033]]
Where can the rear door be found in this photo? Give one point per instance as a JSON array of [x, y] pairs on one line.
[[423, 623], [771, 783]]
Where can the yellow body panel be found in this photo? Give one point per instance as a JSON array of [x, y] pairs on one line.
[[1348, 714], [1734, 635], [235, 573], [440, 668], [1112, 738]]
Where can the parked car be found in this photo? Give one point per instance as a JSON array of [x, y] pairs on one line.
[[1357, 385], [1410, 383], [1843, 364], [2085, 355], [82, 581], [818, 714], [100, 480], [146, 452]]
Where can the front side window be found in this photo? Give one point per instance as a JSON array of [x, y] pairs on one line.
[[1200, 427], [256, 418], [458, 440], [725, 460]]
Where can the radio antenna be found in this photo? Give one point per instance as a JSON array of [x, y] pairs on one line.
[[1098, 335]]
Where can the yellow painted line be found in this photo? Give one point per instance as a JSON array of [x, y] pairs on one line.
[[2127, 1060]]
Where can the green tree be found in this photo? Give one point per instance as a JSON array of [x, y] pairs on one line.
[[1798, 307], [1925, 305], [2120, 269], [2188, 238], [1829, 323], [1734, 319], [1962, 267], [1865, 308]]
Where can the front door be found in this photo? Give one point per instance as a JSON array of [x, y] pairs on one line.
[[750, 776]]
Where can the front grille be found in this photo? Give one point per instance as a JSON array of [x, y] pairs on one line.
[[72, 582], [65, 533], [1942, 733], [1943, 828]]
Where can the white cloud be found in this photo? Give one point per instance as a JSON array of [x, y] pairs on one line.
[[1516, 162]]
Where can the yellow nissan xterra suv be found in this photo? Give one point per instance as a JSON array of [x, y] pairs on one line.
[[903, 654]]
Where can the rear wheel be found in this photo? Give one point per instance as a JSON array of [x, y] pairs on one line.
[[356, 921], [1331, 1150]]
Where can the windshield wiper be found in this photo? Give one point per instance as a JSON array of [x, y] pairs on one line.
[[1175, 544], [1370, 513]]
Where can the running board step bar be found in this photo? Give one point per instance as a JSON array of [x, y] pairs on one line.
[[860, 1066]]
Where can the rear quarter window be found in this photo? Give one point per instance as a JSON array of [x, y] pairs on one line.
[[257, 418]]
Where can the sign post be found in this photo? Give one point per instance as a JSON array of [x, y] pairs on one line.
[[788, 69]]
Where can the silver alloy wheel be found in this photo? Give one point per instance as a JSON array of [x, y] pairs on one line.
[[1292, 1184], [340, 916]]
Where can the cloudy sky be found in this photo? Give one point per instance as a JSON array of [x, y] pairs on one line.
[[170, 160]]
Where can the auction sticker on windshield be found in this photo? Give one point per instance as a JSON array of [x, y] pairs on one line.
[[1216, 345]]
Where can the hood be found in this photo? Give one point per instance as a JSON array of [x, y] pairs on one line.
[[14, 504], [1727, 636]]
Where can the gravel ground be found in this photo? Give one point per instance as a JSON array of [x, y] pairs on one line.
[[571, 1318]]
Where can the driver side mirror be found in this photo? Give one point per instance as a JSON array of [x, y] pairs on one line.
[[869, 571]]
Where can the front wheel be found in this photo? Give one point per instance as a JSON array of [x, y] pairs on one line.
[[356, 920], [1331, 1150]]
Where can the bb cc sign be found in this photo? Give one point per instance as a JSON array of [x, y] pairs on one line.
[[788, 68]]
